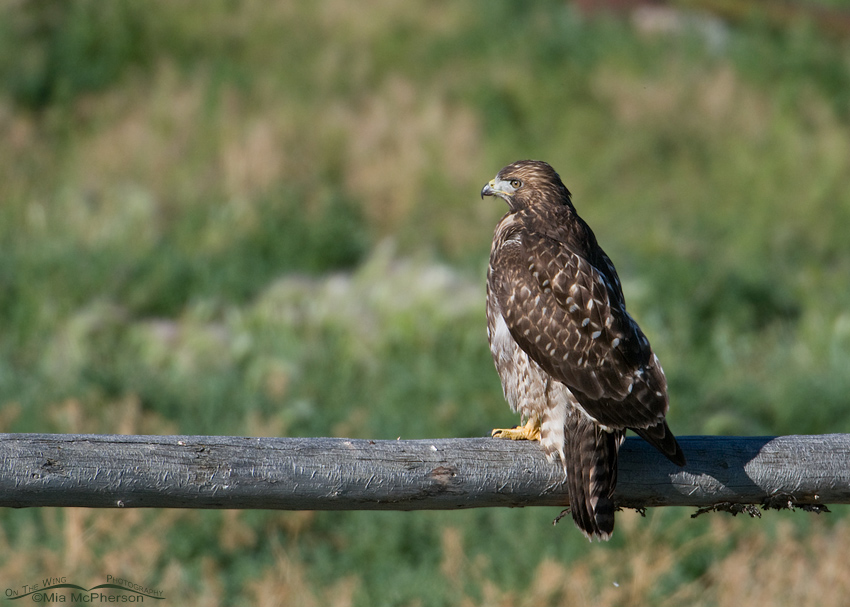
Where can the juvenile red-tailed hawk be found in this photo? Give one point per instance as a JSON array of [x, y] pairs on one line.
[[571, 359]]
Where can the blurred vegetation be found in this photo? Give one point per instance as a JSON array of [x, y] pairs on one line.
[[263, 218]]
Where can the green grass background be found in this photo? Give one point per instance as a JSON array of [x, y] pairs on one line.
[[262, 218]]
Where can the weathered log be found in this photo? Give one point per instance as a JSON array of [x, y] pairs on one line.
[[108, 471]]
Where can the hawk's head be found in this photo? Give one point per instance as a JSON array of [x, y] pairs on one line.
[[527, 183]]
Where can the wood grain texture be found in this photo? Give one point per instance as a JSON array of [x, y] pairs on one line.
[[110, 471]]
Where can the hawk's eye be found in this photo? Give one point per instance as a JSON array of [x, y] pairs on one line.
[[515, 183]]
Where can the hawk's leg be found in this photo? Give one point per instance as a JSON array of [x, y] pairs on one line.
[[530, 431]]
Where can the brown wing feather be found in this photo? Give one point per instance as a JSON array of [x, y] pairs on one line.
[[569, 316], [558, 310]]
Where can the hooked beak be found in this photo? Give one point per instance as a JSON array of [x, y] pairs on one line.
[[490, 189]]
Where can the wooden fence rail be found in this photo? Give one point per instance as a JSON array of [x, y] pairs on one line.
[[111, 471]]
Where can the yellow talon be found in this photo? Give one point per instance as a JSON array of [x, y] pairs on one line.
[[530, 431]]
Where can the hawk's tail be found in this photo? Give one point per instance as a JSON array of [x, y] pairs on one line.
[[592, 475]]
